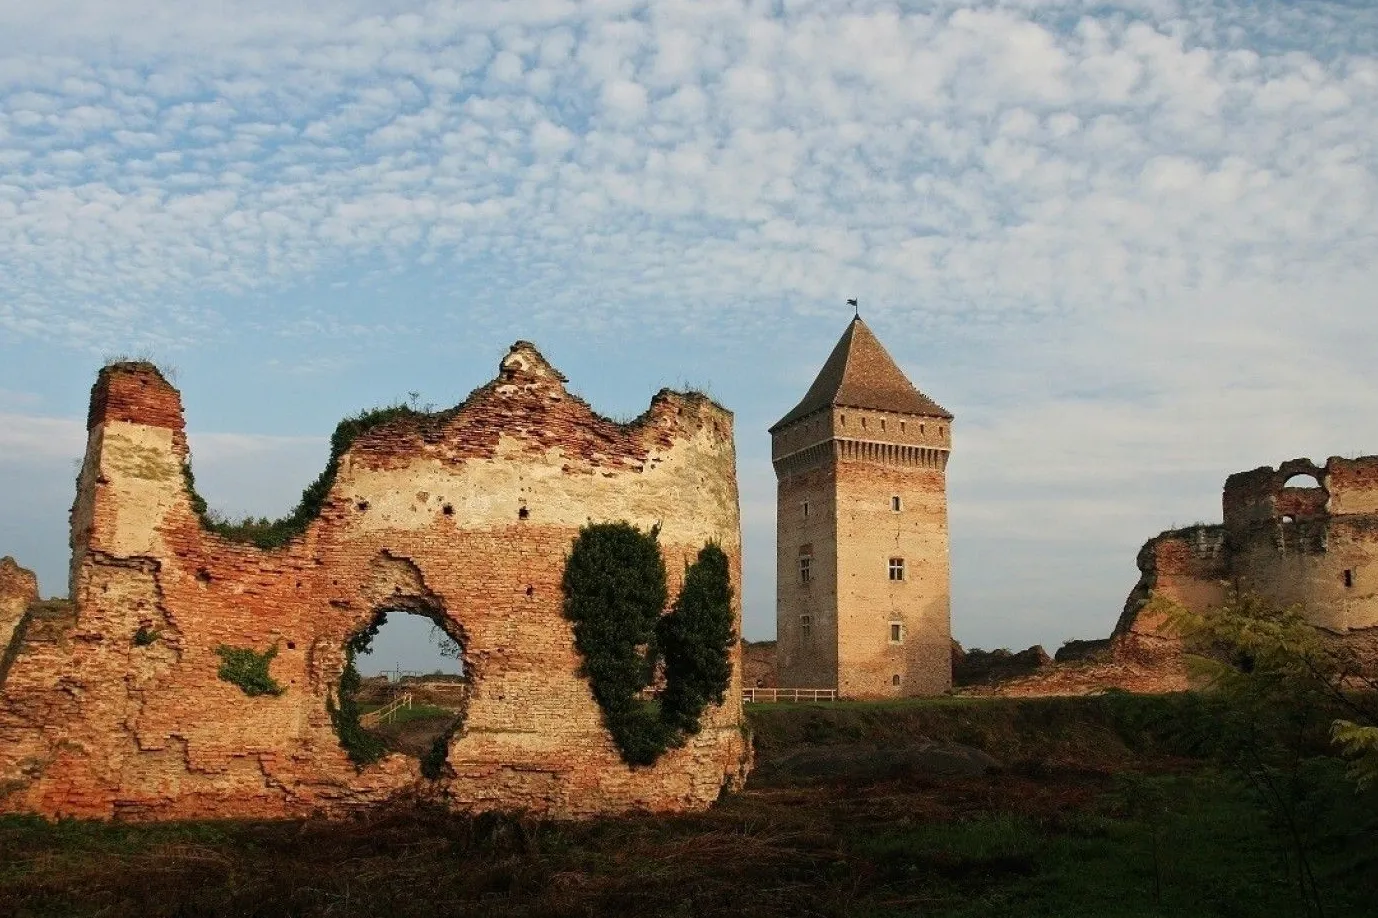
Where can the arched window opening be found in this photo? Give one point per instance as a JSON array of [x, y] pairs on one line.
[[404, 686], [1302, 480]]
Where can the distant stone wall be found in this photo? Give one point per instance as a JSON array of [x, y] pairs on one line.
[[465, 516], [1296, 535], [18, 591], [759, 664]]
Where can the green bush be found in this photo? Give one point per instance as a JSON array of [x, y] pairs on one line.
[[248, 670], [695, 639], [615, 594], [146, 636]]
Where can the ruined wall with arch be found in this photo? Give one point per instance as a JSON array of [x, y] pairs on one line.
[[464, 516]]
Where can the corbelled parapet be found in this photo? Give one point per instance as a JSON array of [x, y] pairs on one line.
[[464, 516]]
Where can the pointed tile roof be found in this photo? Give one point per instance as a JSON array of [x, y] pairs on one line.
[[860, 373]]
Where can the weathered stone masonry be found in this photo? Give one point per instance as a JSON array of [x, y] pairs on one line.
[[466, 516], [1313, 546]]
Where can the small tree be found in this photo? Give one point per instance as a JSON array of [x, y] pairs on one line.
[[615, 592], [695, 639], [1292, 692]]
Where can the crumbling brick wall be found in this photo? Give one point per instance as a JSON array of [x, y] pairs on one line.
[[1296, 535], [18, 591], [465, 516]]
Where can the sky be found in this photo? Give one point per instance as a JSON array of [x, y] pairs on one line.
[[1131, 246]]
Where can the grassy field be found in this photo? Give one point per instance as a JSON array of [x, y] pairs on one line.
[[1101, 807]]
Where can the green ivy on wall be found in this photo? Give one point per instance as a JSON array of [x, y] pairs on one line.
[[248, 670], [616, 594]]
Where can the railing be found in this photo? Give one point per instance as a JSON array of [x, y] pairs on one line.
[[788, 694], [386, 712]]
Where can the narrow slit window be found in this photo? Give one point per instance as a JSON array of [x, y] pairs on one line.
[[806, 509], [896, 568], [895, 679], [1349, 578], [805, 626], [896, 632], [882, 423], [896, 505], [902, 426]]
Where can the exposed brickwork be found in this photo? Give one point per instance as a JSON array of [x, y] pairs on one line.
[[465, 517], [758, 664], [861, 471], [18, 591], [1311, 543]]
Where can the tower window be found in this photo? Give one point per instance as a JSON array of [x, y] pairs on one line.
[[895, 679], [896, 568], [896, 632], [896, 505], [902, 425], [882, 423], [863, 422], [1349, 578], [843, 419], [806, 569], [806, 509], [805, 626]]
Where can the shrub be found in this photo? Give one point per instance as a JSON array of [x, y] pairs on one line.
[[615, 591], [145, 636], [248, 670], [695, 639]]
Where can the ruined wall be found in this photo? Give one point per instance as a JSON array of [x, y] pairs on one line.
[[465, 516], [758, 664], [1310, 541], [1314, 545], [18, 591]]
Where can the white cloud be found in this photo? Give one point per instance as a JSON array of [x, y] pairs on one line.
[[1173, 207]]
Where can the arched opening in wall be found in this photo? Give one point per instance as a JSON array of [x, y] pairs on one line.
[[405, 684], [1303, 480]]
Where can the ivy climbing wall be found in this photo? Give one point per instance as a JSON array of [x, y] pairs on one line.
[[114, 707]]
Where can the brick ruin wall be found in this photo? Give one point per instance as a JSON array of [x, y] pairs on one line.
[[467, 515], [1313, 546]]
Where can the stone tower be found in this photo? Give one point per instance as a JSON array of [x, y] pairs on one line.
[[862, 594]]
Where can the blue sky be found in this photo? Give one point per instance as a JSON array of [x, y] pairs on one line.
[[1130, 245]]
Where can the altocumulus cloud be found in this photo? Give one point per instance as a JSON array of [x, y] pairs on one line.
[[1145, 230]]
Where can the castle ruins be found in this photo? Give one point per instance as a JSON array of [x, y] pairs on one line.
[[1296, 535], [111, 704]]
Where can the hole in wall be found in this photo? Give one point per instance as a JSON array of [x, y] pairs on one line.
[[448, 510], [361, 506], [411, 686], [523, 513], [203, 575], [1303, 480]]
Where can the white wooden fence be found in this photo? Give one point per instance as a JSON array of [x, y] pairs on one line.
[[788, 694]]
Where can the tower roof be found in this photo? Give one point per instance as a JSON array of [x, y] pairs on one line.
[[860, 373]]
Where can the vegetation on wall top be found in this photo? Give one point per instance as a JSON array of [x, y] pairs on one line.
[[266, 533]]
